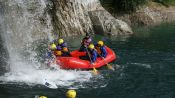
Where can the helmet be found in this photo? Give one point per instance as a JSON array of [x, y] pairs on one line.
[[58, 53], [91, 46], [53, 47], [101, 43], [42, 97], [65, 49], [71, 94], [60, 41]]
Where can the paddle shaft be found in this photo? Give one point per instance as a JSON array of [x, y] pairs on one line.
[[89, 55], [108, 65], [94, 69]]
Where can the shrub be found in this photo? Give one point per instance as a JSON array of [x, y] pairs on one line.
[[123, 5], [166, 2]]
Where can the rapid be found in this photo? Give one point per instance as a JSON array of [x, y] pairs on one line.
[[144, 67]]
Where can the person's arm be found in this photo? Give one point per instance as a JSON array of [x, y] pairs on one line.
[[104, 52], [64, 44]]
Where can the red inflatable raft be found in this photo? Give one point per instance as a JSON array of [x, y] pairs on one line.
[[75, 62]]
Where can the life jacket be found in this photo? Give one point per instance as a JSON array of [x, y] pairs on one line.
[[93, 55], [62, 45], [65, 49], [98, 49], [58, 53], [101, 50]]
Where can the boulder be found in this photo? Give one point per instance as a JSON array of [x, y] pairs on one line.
[[105, 23], [76, 17]]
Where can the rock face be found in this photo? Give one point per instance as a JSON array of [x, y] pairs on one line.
[[28, 21], [75, 17], [104, 23], [150, 15], [70, 17]]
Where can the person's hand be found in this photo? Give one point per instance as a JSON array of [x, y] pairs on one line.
[[92, 63], [49, 47]]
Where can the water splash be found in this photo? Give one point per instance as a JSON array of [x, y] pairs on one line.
[[25, 23], [31, 76], [143, 65]]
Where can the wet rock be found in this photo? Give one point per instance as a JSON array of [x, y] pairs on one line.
[[72, 17], [105, 23]]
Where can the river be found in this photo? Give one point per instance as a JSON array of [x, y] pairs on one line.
[[145, 68]]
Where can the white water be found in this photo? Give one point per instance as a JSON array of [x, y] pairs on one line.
[[32, 76], [23, 27], [143, 65]]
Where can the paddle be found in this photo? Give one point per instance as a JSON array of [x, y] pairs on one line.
[[108, 65], [95, 71]]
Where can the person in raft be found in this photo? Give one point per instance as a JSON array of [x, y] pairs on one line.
[[91, 54], [63, 47], [85, 42], [49, 55], [58, 51], [54, 50], [101, 50]]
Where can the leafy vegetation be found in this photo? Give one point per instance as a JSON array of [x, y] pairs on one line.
[[122, 5], [118, 6], [166, 2]]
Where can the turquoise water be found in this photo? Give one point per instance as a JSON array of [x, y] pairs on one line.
[[147, 69]]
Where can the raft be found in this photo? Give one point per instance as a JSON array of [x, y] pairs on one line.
[[74, 62]]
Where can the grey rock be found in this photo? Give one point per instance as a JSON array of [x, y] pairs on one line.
[[77, 17], [150, 15], [105, 23]]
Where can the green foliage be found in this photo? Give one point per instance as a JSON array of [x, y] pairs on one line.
[[166, 2], [118, 6], [123, 5]]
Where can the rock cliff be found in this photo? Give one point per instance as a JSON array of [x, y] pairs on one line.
[[151, 14], [75, 17]]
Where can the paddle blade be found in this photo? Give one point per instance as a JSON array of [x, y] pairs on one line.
[[110, 67], [95, 71]]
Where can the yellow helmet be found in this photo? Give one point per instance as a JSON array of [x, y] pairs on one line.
[[58, 53], [71, 94], [60, 41], [53, 47], [65, 49], [91, 46], [42, 97], [101, 43]]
